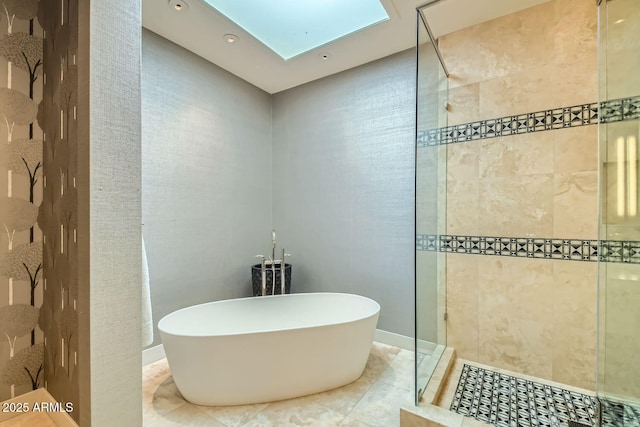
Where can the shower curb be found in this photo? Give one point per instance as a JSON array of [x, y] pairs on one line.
[[427, 413]]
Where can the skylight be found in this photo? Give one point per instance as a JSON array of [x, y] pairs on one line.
[[292, 27]]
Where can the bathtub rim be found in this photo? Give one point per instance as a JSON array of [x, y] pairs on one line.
[[374, 313]]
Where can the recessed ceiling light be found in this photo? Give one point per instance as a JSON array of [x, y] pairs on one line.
[[230, 38], [619, 21], [179, 5]]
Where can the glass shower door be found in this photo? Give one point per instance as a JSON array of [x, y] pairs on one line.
[[431, 118], [618, 385]]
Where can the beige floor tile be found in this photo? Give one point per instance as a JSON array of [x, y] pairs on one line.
[[367, 402], [344, 399], [29, 419], [158, 401], [290, 413], [352, 422], [380, 358], [185, 415], [400, 371], [380, 407], [157, 372], [234, 416]]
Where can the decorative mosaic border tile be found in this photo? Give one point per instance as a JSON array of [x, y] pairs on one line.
[[617, 110], [504, 400], [558, 118], [527, 247], [620, 251]]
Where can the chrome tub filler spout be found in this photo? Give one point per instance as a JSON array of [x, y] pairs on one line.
[[270, 267]]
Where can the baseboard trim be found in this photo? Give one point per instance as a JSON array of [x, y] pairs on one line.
[[396, 340], [153, 354], [403, 341]]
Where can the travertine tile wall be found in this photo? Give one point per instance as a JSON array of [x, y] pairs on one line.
[[534, 316]]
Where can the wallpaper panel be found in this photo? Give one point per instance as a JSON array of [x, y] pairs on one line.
[[58, 212], [350, 138], [227, 146], [21, 183]]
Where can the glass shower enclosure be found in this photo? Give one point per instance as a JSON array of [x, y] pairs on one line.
[[618, 380], [430, 203]]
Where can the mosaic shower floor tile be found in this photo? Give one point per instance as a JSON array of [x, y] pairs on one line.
[[508, 401], [615, 414]]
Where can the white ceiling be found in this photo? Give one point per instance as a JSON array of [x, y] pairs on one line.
[[200, 29]]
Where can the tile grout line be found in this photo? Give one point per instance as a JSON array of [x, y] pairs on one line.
[[371, 387], [373, 384]]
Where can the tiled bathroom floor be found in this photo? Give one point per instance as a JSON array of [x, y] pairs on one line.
[[374, 400], [31, 419]]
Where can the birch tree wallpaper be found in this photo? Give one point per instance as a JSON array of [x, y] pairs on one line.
[[57, 113], [38, 137], [21, 186]]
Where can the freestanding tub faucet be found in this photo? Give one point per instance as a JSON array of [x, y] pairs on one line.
[[273, 275], [272, 262], [283, 273]]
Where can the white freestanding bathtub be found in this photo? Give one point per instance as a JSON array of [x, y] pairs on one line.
[[262, 349]]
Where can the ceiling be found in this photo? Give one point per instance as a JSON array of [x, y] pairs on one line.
[[200, 29]]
